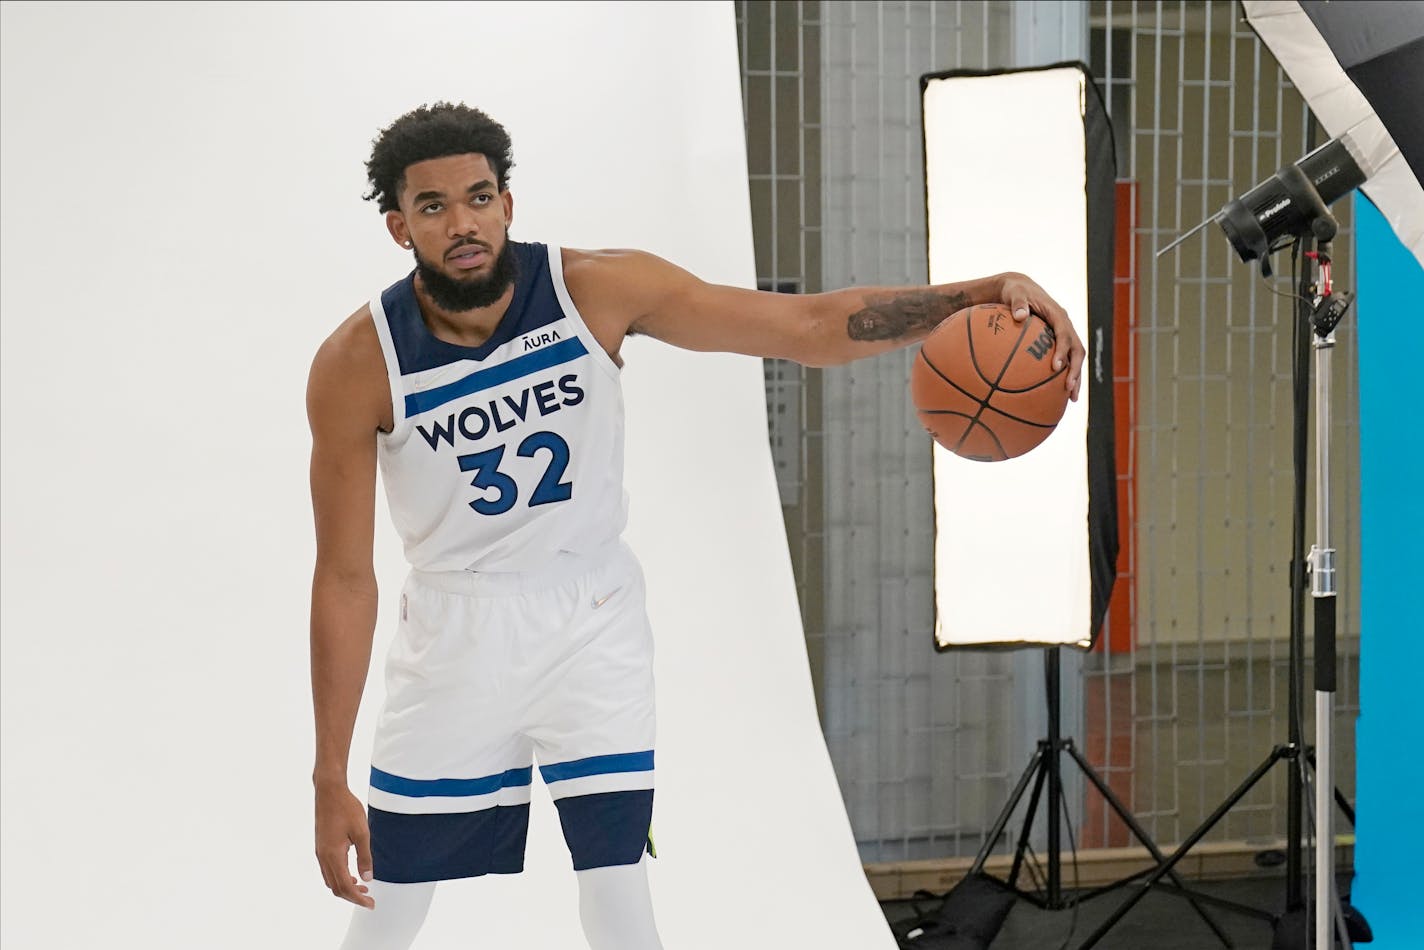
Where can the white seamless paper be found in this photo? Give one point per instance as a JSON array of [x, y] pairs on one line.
[[182, 226]]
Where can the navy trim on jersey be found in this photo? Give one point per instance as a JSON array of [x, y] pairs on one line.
[[607, 829], [534, 304], [425, 788], [406, 849], [598, 765], [528, 364]]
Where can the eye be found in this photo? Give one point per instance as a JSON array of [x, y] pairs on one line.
[[484, 198], [433, 206]]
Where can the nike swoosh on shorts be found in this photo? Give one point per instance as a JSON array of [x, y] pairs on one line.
[[600, 601]]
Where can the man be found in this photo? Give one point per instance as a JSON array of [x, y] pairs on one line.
[[485, 385]]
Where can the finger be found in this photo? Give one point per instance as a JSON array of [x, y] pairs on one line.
[[351, 889], [363, 898], [358, 894], [1063, 347], [339, 879], [1065, 338], [364, 865], [1075, 372], [328, 861], [1020, 308], [1067, 351], [333, 870]]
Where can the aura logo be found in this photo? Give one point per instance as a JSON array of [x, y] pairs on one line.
[[533, 341]]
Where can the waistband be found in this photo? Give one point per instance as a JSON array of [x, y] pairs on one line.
[[565, 567]]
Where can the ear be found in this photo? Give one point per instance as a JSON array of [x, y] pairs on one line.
[[395, 223], [508, 198]]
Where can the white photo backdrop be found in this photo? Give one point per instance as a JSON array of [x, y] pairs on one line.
[[182, 226]]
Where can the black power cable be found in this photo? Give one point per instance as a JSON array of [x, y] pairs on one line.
[[1077, 883]]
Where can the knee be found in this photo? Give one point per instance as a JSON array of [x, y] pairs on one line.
[[616, 908]]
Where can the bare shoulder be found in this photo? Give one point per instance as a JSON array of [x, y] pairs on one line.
[[597, 264], [614, 287], [348, 374], [606, 268]]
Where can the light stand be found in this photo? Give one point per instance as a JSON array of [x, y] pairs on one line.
[[1322, 590], [1044, 769], [1321, 311], [1325, 315]]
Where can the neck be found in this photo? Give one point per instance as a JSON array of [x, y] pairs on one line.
[[461, 327]]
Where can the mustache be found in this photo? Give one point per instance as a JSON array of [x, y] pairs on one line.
[[468, 242]]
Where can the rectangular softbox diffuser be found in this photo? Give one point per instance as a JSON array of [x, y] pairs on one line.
[[1026, 549]]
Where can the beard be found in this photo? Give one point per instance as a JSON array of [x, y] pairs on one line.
[[456, 295]]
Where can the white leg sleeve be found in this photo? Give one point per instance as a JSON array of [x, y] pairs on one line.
[[393, 923], [617, 909]]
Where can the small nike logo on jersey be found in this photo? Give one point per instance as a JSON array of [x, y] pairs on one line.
[[600, 601]]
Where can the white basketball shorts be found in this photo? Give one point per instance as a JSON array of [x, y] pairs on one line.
[[488, 671]]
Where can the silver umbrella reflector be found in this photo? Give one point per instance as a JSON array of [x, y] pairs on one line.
[[1360, 69]]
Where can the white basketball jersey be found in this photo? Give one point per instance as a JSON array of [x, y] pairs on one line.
[[506, 454]]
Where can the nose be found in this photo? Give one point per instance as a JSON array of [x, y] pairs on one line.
[[462, 220]]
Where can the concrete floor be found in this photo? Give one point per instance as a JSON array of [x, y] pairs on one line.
[[1160, 921]]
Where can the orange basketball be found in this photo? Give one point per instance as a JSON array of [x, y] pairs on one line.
[[985, 386]]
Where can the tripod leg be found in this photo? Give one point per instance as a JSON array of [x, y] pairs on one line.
[[1337, 916], [1027, 827], [1141, 834], [1002, 821], [1165, 867], [1345, 807], [1340, 798]]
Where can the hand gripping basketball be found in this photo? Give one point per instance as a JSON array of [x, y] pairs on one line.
[[985, 384], [1023, 297]]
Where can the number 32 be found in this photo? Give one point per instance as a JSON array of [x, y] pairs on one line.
[[550, 489]]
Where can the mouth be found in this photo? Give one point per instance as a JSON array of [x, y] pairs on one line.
[[468, 257]]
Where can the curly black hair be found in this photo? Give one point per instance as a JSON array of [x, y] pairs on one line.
[[434, 131]]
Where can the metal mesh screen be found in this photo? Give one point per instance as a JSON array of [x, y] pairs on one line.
[[1201, 113], [918, 746], [921, 742], [926, 746], [781, 90]]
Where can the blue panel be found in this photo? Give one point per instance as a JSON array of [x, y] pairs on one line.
[[570, 349], [598, 765], [410, 848], [1389, 770], [607, 829], [427, 787]]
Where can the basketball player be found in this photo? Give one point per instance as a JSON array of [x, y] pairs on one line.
[[485, 385]]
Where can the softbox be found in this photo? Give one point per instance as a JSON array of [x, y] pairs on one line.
[[1360, 69], [1026, 549]]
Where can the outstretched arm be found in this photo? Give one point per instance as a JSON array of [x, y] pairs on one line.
[[662, 300]]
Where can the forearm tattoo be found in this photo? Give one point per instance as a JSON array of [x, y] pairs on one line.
[[896, 316]]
